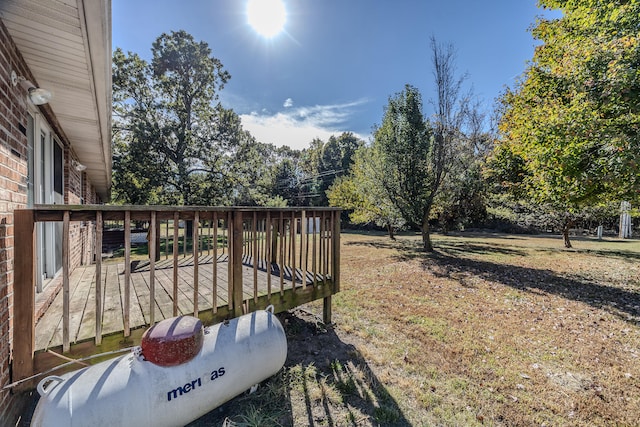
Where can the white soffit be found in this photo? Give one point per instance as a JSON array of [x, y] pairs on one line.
[[67, 46]]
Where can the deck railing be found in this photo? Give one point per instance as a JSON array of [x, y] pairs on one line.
[[259, 256]]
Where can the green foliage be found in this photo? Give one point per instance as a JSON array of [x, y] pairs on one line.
[[303, 177], [361, 195], [172, 143], [323, 162], [286, 179], [462, 200], [573, 120], [401, 151], [569, 129]]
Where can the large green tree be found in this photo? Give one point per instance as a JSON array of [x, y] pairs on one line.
[[168, 133], [415, 154], [572, 123], [404, 152]]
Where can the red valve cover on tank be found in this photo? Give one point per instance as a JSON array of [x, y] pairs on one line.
[[173, 341]]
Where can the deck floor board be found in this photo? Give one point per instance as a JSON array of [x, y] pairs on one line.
[[82, 291], [112, 319], [135, 312]]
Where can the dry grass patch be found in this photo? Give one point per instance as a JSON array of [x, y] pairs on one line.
[[488, 330]]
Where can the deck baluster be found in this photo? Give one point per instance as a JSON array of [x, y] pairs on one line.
[[264, 235], [66, 346], [98, 248], [196, 246], [127, 273]]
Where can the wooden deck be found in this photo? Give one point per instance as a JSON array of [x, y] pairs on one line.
[[106, 306], [82, 285]]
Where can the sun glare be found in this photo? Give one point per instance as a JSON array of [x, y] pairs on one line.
[[266, 17]]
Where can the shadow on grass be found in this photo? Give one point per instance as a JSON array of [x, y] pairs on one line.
[[325, 382], [486, 239], [487, 242], [624, 303], [450, 259], [412, 249]]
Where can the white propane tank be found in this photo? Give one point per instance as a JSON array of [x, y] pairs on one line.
[[131, 391]]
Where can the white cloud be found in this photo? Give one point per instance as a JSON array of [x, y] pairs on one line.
[[288, 103], [297, 127]]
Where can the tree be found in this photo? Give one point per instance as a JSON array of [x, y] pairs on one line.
[[403, 151], [323, 162], [416, 154], [572, 121], [286, 180], [165, 123], [462, 200], [360, 193]]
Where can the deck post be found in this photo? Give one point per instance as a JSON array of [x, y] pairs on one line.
[[127, 274], [236, 258], [335, 265], [335, 256], [326, 310], [254, 254], [24, 289], [176, 250], [214, 263], [196, 252], [152, 267], [269, 257]]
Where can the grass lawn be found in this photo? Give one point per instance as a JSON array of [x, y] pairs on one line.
[[502, 330]]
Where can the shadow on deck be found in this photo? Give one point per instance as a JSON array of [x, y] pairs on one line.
[[264, 285], [82, 295], [270, 256]]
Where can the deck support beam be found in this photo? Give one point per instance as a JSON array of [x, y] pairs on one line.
[[24, 290], [326, 310]]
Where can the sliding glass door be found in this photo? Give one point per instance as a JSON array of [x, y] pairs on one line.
[[45, 186]]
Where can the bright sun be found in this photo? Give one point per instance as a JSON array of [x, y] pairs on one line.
[[267, 17]]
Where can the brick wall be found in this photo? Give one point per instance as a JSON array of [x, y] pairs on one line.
[[13, 195]]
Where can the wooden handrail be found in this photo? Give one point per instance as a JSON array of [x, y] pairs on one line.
[[294, 251]]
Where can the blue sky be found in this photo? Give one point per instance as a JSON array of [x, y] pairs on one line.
[[335, 64]]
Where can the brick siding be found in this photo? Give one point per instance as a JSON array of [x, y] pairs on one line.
[[13, 154], [13, 195]]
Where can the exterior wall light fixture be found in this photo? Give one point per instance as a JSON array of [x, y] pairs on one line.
[[79, 166], [37, 95]]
